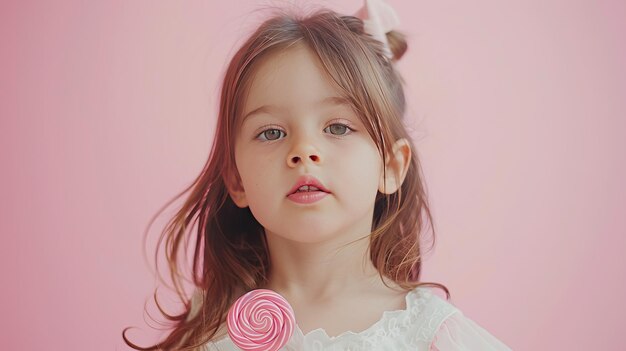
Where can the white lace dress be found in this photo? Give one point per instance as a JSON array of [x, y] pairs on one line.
[[428, 323]]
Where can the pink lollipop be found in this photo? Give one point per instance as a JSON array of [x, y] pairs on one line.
[[260, 320]]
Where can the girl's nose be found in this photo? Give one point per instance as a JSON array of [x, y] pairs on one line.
[[303, 154]]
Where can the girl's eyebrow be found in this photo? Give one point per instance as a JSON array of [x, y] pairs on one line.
[[331, 100]]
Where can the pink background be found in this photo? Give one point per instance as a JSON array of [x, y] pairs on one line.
[[108, 110]]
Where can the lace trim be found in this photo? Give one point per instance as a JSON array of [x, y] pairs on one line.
[[387, 315]]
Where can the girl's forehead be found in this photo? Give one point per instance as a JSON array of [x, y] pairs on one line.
[[292, 76]]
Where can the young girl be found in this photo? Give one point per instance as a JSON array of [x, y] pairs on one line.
[[313, 191]]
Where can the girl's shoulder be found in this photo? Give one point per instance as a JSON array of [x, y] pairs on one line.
[[196, 301], [446, 327], [425, 302], [427, 311]]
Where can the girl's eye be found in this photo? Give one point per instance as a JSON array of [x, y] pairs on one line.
[[339, 129], [271, 134]]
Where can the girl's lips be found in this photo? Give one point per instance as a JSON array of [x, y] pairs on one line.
[[309, 180], [307, 197]]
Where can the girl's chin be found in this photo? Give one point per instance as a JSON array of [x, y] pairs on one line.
[[300, 237]]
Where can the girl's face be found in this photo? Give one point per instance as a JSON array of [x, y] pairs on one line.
[[296, 130]]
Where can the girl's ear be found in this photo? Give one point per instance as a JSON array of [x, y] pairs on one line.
[[396, 167], [236, 190]]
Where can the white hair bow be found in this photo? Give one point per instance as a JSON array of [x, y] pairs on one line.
[[379, 18]]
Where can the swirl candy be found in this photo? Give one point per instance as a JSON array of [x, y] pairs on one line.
[[260, 320]]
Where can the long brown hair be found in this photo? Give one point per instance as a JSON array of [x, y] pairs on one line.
[[230, 255]]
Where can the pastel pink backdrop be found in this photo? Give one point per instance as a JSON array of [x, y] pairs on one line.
[[108, 110]]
